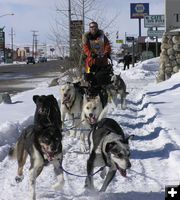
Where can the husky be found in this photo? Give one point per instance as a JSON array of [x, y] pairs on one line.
[[118, 87], [71, 103], [92, 112], [109, 148], [92, 91], [44, 147]]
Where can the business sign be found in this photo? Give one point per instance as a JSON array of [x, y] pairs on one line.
[[119, 41], [139, 10], [76, 29], [154, 21], [155, 33], [129, 39], [172, 14], [2, 43]]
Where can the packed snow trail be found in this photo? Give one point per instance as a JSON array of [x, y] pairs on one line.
[[153, 151]]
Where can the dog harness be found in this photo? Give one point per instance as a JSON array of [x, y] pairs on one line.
[[69, 108]]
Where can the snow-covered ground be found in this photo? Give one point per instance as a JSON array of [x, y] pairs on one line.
[[152, 115]]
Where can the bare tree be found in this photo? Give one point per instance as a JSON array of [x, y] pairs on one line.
[[85, 10]]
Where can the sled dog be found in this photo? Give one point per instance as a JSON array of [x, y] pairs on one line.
[[44, 147], [71, 103], [118, 87], [110, 148], [92, 91], [92, 112]]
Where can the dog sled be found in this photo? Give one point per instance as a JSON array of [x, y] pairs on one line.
[[100, 74]]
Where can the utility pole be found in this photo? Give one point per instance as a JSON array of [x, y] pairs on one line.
[[69, 19], [33, 44], [12, 44], [83, 18], [70, 41]]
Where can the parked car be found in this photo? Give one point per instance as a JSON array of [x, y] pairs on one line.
[[30, 59], [42, 59]]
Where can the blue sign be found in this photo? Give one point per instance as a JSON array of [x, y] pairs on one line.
[[139, 10]]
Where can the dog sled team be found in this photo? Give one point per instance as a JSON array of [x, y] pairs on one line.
[[101, 136]]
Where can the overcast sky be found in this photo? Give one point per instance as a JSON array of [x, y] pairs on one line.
[[40, 15]]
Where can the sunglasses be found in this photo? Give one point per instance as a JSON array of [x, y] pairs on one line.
[[93, 27]]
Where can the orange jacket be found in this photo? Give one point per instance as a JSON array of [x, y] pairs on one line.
[[97, 44]]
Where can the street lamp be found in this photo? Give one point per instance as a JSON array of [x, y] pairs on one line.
[[6, 14]]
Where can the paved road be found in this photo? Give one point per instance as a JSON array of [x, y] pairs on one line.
[[18, 78]]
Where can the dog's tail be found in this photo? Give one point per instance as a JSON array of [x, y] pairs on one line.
[[13, 152]]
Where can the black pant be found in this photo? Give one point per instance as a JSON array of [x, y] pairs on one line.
[[126, 64]]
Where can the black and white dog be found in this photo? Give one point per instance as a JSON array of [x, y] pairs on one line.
[[44, 147], [118, 87], [41, 141], [110, 148]]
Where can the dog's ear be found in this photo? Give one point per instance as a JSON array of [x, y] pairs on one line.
[[130, 137], [77, 84], [85, 100], [51, 97], [35, 97], [97, 98], [109, 146]]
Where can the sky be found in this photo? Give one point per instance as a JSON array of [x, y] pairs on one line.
[[152, 115], [41, 16]]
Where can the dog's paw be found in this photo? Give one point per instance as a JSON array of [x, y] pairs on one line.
[[19, 179], [60, 182], [72, 133], [83, 147], [123, 107], [58, 186], [103, 173]]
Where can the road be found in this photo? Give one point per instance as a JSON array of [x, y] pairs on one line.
[[21, 77]]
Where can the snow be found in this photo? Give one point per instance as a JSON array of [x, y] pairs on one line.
[[152, 115]]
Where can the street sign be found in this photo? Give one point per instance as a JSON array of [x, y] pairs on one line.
[[139, 10], [119, 41], [2, 43], [129, 39], [155, 33], [154, 21]]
